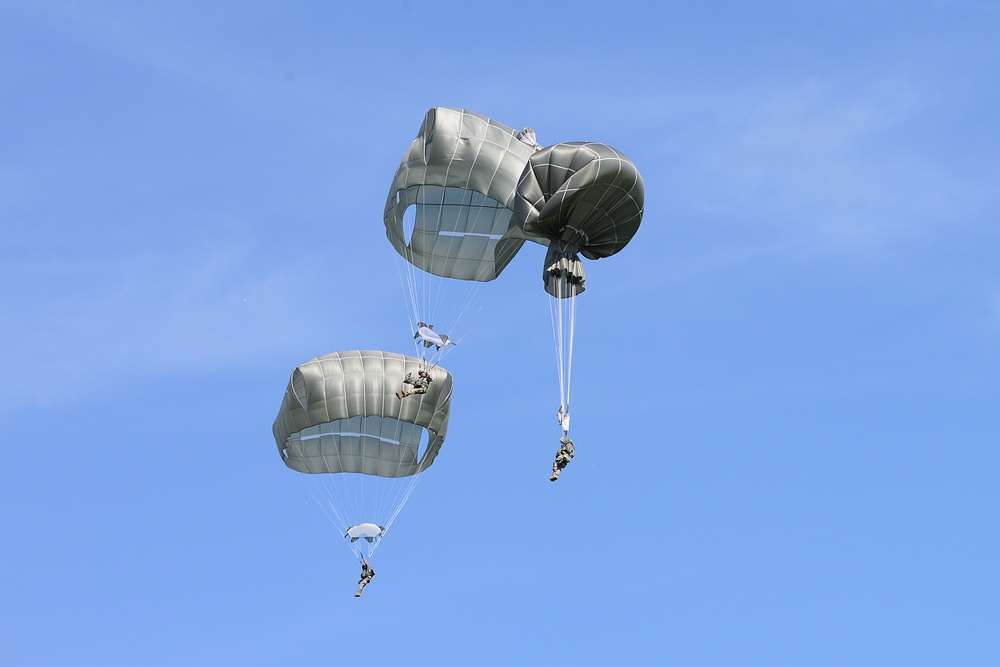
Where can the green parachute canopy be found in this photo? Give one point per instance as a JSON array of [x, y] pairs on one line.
[[449, 216], [460, 175], [341, 422], [578, 197]]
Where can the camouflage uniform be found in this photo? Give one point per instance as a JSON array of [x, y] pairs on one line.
[[565, 453], [420, 384], [366, 576]]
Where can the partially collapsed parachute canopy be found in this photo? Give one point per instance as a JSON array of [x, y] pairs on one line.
[[460, 173], [578, 197], [340, 414]]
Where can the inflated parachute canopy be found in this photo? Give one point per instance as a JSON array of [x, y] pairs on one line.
[[578, 197], [460, 173], [340, 414]]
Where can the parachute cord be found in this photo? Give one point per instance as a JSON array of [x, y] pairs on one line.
[[328, 508], [572, 336], [394, 504], [423, 291], [429, 293], [323, 494], [472, 296], [559, 342], [480, 316], [385, 500], [556, 312], [426, 295], [562, 308], [556, 327], [329, 483], [406, 497], [404, 270]]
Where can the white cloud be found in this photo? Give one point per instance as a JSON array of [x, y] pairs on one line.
[[163, 41], [832, 162], [77, 323]]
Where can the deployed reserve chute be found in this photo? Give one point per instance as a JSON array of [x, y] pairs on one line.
[[449, 215], [341, 423], [577, 198]]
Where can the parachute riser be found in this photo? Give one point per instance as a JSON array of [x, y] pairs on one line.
[[563, 276]]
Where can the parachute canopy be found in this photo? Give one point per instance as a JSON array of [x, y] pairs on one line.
[[461, 173], [340, 414], [578, 197]]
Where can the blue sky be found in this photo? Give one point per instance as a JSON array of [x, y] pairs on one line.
[[785, 389]]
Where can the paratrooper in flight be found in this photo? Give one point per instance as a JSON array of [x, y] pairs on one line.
[[563, 456], [367, 572], [420, 383]]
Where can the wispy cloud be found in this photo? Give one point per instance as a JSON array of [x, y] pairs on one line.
[[138, 35], [786, 172], [840, 163], [77, 323], [157, 40]]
